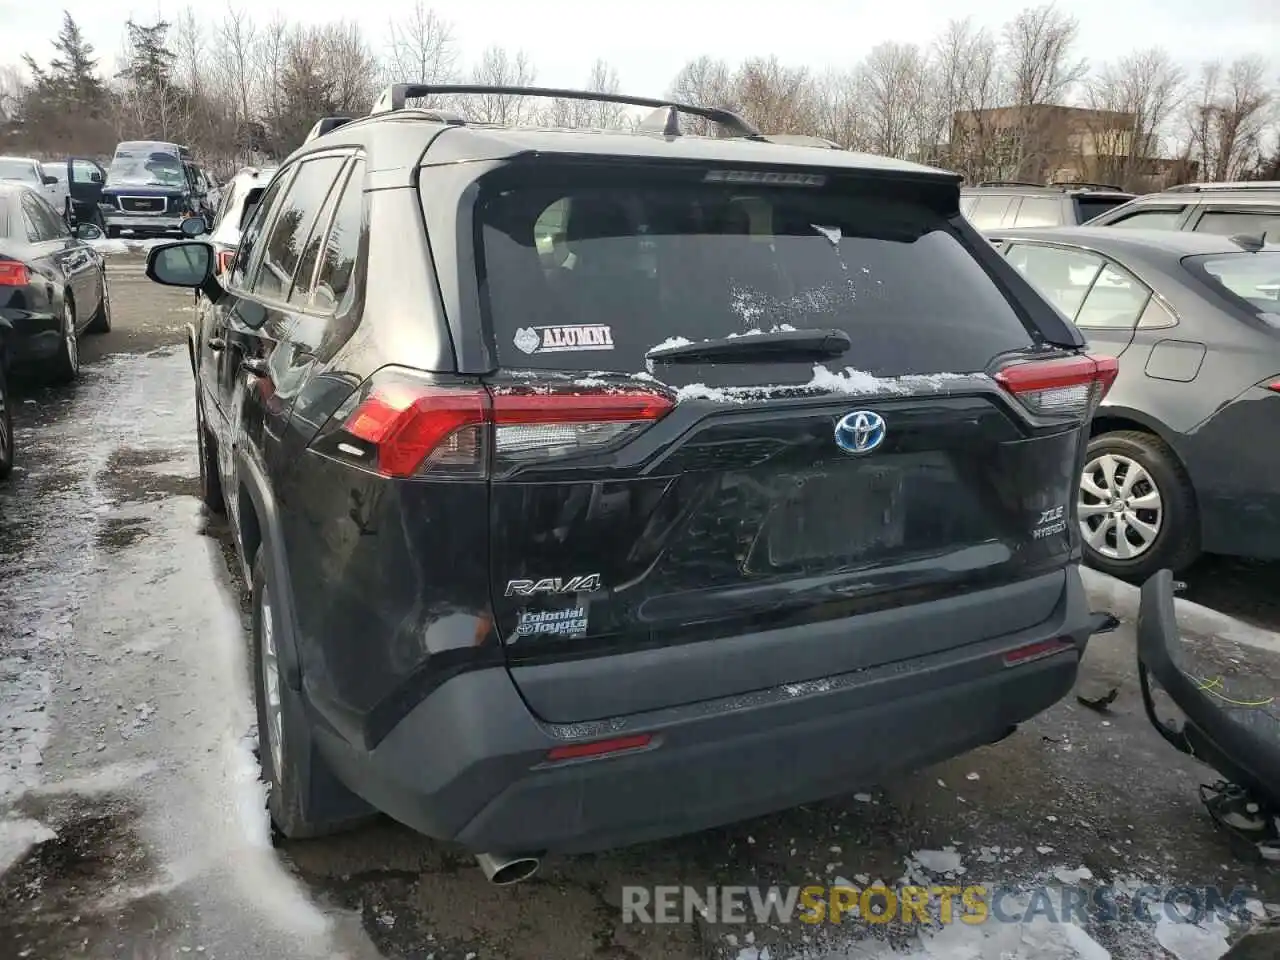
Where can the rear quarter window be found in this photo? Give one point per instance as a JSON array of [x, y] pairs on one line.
[[593, 277]]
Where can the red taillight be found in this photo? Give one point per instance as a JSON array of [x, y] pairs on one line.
[[600, 748], [13, 274], [1275, 385], [413, 429], [1067, 385], [224, 260], [1036, 651]]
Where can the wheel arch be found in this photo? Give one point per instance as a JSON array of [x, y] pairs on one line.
[[258, 527]]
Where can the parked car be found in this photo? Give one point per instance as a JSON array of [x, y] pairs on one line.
[[30, 172], [81, 180], [1010, 203], [151, 187], [546, 554], [240, 197], [1179, 459], [7, 440], [53, 284], [1226, 209]]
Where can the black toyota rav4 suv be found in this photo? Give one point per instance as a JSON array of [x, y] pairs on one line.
[[598, 487]]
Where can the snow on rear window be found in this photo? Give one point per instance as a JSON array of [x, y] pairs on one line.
[[594, 278]]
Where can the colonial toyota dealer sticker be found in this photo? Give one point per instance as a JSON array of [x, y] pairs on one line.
[[565, 338]]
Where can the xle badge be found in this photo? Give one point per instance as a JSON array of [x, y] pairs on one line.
[[1050, 522], [564, 339], [551, 586]]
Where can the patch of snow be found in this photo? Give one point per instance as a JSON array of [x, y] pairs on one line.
[[944, 861], [862, 797], [833, 234], [850, 382], [17, 836], [1188, 941], [1064, 875], [123, 246], [670, 344]]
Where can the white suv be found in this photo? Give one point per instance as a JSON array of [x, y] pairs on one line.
[[240, 197]]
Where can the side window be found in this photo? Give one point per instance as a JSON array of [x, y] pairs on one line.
[[1229, 223], [82, 171], [1165, 219], [1063, 277], [224, 206], [1155, 316], [967, 204], [989, 211], [253, 232], [1039, 212], [1116, 301], [42, 223], [290, 229], [334, 285]]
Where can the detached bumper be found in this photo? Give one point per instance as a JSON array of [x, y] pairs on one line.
[[470, 763]]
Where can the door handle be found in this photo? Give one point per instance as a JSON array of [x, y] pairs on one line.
[[215, 343], [255, 366]]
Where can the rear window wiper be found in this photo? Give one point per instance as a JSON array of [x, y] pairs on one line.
[[757, 348]]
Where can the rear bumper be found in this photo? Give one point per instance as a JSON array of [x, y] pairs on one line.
[[468, 764], [34, 336]]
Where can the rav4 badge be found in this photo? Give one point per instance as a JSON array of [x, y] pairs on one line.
[[588, 583]]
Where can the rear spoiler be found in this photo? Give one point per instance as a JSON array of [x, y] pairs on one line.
[[326, 125]]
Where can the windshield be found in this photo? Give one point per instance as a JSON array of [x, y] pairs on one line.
[[18, 170], [154, 170], [1249, 278]]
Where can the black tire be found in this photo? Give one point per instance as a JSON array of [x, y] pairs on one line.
[[6, 424], [65, 365], [112, 233], [304, 798], [207, 453], [1176, 543], [101, 320]]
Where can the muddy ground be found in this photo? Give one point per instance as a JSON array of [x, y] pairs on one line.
[[131, 821]]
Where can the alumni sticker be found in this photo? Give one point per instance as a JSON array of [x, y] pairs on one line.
[[565, 339]]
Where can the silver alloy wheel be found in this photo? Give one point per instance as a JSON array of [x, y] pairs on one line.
[[271, 688], [1119, 506], [73, 347], [6, 441]]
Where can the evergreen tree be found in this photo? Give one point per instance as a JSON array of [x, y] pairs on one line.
[[70, 84], [150, 67]]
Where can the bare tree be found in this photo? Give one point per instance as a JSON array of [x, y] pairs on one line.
[[1132, 101], [596, 114], [233, 66], [269, 57], [498, 68], [1041, 70], [840, 115], [776, 98], [893, 85], [1228, 118], [351, 66], [422, 49], [706, 83], [967, 81]]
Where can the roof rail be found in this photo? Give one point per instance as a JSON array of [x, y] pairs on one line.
[[1230, 185], [801, 140], [1008, 183], [664, 119], [1084, 184]]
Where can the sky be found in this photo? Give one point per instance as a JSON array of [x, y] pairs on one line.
[[563, 37]]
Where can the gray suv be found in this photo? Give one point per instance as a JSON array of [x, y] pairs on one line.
[[1226, 209], [1012, 203]]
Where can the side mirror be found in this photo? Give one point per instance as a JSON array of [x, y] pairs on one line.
[[194, 227], [48, 180], [88, 231], [181, 264], [95, 177]]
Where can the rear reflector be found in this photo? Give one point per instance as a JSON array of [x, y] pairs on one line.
[[1063, 386], [406, 428], [600, 748], [1036, 651], [1274, 385], [13, 274]]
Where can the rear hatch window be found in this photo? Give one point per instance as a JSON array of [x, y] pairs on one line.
[[1250, 280], [593, 277]]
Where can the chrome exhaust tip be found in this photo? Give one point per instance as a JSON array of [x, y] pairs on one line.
[[503, 870]]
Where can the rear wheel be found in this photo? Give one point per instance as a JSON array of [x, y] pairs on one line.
[[65, 366], [101, 320], [304, 798], [6, 425], [1136, 507]]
